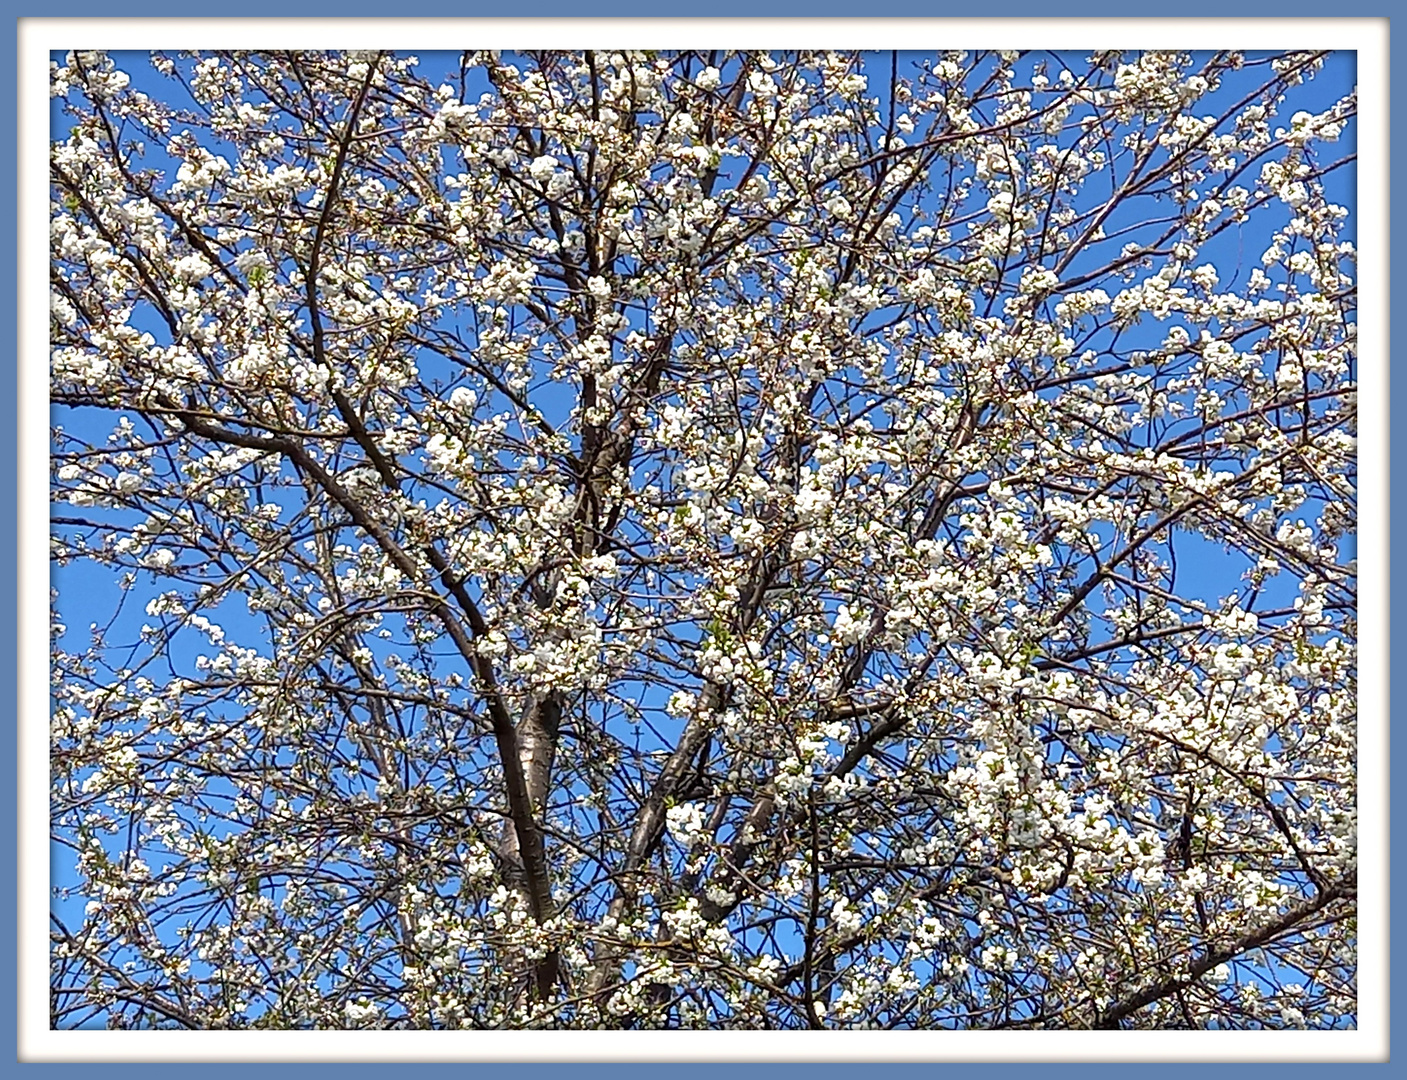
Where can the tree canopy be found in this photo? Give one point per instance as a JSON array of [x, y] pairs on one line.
[[711, 540]]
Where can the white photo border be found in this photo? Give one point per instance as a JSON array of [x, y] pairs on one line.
[[37, 38]]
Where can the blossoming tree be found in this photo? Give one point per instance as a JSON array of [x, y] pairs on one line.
[[704, 540]]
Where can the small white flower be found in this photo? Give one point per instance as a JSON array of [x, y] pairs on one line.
[[708, 79], [463, 399], [685, 823], [192, 268], [543, 167]]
